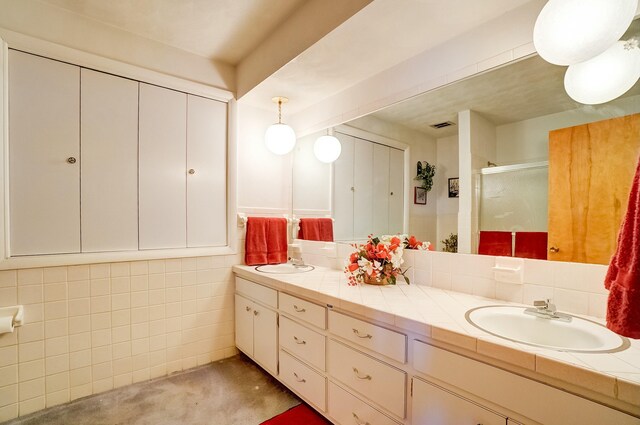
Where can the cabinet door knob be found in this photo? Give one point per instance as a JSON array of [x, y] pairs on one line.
[[255, 312], [192, 171], [71, 160], [391, 193], [358, 420], [248, 308], [353, 189], [367, 377], [554, 249]]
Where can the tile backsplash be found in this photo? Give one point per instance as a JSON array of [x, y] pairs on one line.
[[91, 328]]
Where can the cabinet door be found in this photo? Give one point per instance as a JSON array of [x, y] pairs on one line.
[[343, 190], [265, 338], [163, 129], [435, 406], [207, 172], [244, 324], [396, 191], [382, 196], [363, 194], [44, 186], [109, 133]]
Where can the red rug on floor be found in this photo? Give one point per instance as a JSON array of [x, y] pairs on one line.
[[299, 415]]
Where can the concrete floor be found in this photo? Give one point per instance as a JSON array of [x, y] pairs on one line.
[[233, 391]]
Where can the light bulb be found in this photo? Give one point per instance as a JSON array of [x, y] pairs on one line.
[[280, 138], [572, 31], [327, 148], [605, 77]]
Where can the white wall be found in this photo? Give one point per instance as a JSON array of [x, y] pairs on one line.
[[447, 208], [528, 140]]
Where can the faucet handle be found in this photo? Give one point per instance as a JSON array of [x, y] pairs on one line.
[[541, 303]]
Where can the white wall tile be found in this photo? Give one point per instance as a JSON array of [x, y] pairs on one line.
[[571, 301]]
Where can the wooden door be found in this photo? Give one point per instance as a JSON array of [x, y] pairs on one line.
[[343, 190], [163, 172], [206, 172], [44, 155], [363, 189], [109, 133], [381, 196], [396, 191], [591, 167]]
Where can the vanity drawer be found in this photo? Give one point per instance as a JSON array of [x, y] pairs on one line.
[[378, 381], [302, 379], [311, 313], [388, 343], [302, 342], [349, 409], [260, 293]]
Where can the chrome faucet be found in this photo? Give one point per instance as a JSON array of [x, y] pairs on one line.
[[546, 310]]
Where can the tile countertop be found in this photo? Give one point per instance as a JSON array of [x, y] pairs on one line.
[[437, 314]]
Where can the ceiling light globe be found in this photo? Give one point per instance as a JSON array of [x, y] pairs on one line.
[[280, 139], [327, 148], [605, 77], [572, 31]]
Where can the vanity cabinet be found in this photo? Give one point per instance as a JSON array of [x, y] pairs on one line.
[[434, 405]]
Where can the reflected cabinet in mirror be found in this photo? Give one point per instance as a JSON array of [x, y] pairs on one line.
[[541, 176]]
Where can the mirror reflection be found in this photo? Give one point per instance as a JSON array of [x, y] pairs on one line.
[[540, 176]]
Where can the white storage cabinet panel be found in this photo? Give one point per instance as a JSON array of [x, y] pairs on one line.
[[349, 409], [206, 172], [435, 406], [163, 173], [305, 381], [44, 155], [343, 190], [396, 191], [381, 187], [244, 324], [265, 337], [363, 192], [109, 158]]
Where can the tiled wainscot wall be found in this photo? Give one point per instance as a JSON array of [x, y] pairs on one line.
[[91, 328]]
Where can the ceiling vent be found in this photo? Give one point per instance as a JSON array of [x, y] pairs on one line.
[[442, 124]]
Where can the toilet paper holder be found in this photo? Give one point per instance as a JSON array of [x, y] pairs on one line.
[[15, 311]]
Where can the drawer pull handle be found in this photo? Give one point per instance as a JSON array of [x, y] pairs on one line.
[[299, 341], [358, 420], [298, 378], [367, 377], [298, 309], [357, 332], [247, 308]]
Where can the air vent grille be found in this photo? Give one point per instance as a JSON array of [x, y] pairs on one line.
[[442, 124]]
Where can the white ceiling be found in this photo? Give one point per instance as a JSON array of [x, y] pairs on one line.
[[224, 30], [381, 35]]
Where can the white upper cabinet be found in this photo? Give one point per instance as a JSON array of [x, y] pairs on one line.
[[163, 168], [363, 194], [44, 155], [381, 189], [343, 190], [396, 191], [109, 134], [206, 172]]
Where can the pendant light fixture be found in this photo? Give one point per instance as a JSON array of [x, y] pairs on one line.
[[279, 137], [605, 77], [572, 31], [327, 148]]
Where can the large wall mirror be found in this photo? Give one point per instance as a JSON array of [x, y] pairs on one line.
[[544, 168]]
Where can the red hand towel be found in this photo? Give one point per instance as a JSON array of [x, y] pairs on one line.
[[326, 229], [623, 275], [277, 241], [531, 245], [495, 243], [309, 229], [255, 245]]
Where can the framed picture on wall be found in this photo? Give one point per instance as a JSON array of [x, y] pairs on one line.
[[420, 196], [454, 187]]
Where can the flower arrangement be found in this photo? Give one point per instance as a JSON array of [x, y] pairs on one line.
[[378, 261]]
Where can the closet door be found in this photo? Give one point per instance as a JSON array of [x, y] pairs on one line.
[[396, 190], [162, 169], [109, 133], [206, 172], [363, 194], [44, 161], [343, 190], [381, 190]]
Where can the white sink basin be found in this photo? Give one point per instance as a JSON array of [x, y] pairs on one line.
[[284, 268], [579, 335]]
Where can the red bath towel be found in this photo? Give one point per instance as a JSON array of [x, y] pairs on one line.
[[495, 243], [316, 229], [266, 241], [623, 275], [531, 245]]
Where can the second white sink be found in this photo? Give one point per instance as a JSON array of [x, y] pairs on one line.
[[579, 335]]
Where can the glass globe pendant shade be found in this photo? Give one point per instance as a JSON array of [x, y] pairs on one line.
[[572, 31], [280, 138], [327, 148], [605, 77]]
